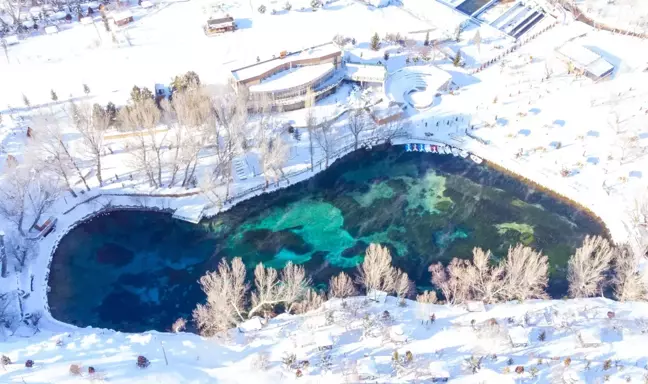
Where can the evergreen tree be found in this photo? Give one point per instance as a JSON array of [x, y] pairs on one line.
[[262, 9], [26, 101], [86, 89], [145, 94], [375, 42], [386, 56], [136, 94], [111, 111], [427, 39], [457, 59], [98, 111], [53, 96], [191, 79]]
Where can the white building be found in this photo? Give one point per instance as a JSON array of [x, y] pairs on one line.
[[366, 73], [584, 60]]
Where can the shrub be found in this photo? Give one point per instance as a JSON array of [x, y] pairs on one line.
[[299, 373], [142, 362], [542, 336], [75, 370], [288, 6], [534, 372], [289, 359], [29, 363], [261, 361], [607, 364], [386, 56], [5, 360], [519, 369], [386, 315], [567, 362], [409, 357], [91, 370], [262, 9], [509, 361], [179, 325]]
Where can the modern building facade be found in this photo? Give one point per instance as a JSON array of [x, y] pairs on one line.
[[284, 81], [219, 24]]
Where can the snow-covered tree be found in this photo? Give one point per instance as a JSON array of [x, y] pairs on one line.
[[358, 123], [53, 96], [92, 122], [457, 59], [587, 267], [376, 271], [324, 137], [477, 40], [341, 286], [271, 291], [526, 274], [86, 89], [427, 39], [629, 282]]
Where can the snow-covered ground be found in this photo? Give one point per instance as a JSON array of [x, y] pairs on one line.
[[629, 15], [585, 140]]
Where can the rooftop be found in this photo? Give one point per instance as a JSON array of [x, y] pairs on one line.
[[585, 59], [251, 71], [291, 78], [366, 71]]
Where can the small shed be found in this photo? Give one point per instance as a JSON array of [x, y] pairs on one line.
[[519, 336], [439, 372], [377, 296], [122, 18], [397, 334], [324, 342], [146, 4], [51, 30], [367, 369], [590, 337], [475, 306]]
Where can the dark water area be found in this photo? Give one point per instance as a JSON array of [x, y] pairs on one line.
[[135, 271]]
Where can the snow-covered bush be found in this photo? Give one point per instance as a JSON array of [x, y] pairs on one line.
[[5, 360], [262, 9], [261, 361], [75, 369], [587, 267], [29, 363], [287, 6], [179, 325]]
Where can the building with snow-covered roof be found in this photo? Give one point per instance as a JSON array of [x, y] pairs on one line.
[[589, 337], [122, 18], [285, 80], [585, 60], [219, 24], [439, 372], [366, 73]]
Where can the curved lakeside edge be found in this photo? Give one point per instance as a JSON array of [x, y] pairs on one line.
[[124, 202]]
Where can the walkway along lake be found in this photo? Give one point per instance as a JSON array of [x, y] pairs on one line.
[[136, 271]]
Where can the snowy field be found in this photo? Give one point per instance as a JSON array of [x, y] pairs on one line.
[[586, 140], [631, 15]]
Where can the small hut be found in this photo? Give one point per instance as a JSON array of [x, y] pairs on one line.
[[475, 306], [324, 342], [439, 372], [519, 336], [589, 337]]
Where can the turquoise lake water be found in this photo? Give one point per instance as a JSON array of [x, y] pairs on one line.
[[135, 271]]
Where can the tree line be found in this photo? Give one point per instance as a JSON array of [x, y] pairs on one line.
[[521, 275]]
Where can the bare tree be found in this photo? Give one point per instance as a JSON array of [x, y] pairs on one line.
[[525, 274], [20, 249], [629, 282], [403, 286], [311, 301], [427, 297], [376, 272], [179, 325], [358, 123], [614, 122], [230, 141], [325, 140], [147, 144], [273, 153], [522, 275], [50, 139], [587, 267], [341, 286], [92, 123], [194, 114], [390, 130], [271, 291], [226, 296], [26, 193]]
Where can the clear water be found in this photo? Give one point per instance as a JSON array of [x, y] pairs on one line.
[[135, 271]]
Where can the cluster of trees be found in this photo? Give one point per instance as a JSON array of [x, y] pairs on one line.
[[523, 274], [230, 299]]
